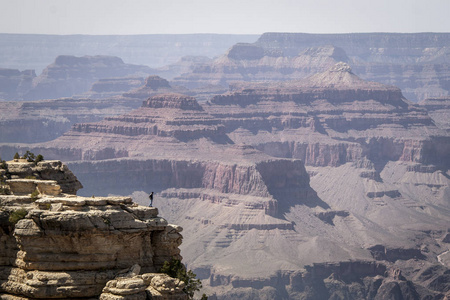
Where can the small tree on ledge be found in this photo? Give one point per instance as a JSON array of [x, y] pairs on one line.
[[176, 269]]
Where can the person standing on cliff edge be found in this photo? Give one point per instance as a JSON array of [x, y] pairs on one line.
[[151, 199]]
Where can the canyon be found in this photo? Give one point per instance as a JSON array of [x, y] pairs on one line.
[[300, 166], [325, 186]]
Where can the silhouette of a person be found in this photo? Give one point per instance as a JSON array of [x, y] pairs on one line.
[[151, 200]]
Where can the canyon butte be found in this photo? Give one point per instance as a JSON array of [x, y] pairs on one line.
[[318, 188]]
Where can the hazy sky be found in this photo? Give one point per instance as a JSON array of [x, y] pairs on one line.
[[230, 16]]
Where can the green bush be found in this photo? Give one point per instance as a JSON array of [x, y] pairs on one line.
[[17, 215], [39, 158], [16, 156], [35, 195], [176, 269], [29, 156]]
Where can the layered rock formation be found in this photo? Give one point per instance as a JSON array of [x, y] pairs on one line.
[[439, 110], [339, 117], [36, 51], [38, 121], [257, 222], [247, 62], [111, 87], [418, 63], [65, 246], [71, 75]]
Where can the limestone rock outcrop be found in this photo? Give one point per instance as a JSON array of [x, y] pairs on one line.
[[65, 246], [54, 171], [145, 286]]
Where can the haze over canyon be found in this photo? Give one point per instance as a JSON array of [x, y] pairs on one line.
[[300, 166]]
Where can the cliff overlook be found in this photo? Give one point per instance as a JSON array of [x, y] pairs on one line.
[[56, 245]]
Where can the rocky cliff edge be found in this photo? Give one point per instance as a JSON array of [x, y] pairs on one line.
[[56, 245]]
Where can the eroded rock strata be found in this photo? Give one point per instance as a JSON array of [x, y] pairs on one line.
[[417, 63], [330, 119], [65, 246], [44, 120], [373, 197]]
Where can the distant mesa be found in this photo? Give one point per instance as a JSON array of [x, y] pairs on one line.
[[244, 51], [155, 82], [71, 75]]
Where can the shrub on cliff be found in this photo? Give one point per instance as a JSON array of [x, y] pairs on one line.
[[16, 156], [176, 269], [17, 215], [29, 156], [35, 195], [39, 158], [3, 164]]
